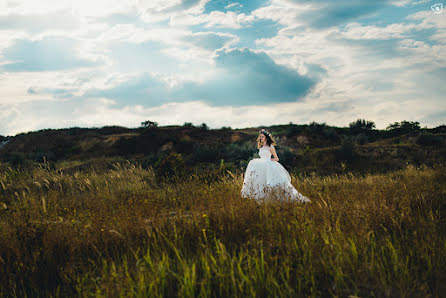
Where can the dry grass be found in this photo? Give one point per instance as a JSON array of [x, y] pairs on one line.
[[122, 233]]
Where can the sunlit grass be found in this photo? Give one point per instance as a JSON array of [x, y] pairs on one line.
[[124, 232]]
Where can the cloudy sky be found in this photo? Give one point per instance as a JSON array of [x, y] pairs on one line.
[[225, 63]]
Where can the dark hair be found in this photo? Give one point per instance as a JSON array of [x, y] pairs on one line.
[[269, 139]]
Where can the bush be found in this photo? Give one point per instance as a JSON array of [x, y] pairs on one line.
[[347, 150], [361, 139], [293, 130], [403, 127], [234, 152], [286, 157], [315, 127], [439, 129], [184, 146], [428, 139], [204, 126], [76, 131], [330, 133], [206, 153], [17, 159], [109, 130], [170, 165], [361, 126], [148, 160], [39, 156], [149, 124]]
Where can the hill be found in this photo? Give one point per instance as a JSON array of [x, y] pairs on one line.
[[82, 215], [302, 149]]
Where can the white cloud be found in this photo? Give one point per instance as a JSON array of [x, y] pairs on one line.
[[360, 32], [40, 22], [369, 73], [7, 38], [86, 8], [401, 3], [382, 73], [232, 5], [215, 19]]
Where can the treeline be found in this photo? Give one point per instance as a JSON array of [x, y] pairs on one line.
[[174, 150]]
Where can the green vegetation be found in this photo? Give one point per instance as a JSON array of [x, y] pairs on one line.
[[156, 211], [148, 124], [303, 149], [124, 231]]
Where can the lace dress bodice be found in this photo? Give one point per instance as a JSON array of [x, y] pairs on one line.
[[264, 153]]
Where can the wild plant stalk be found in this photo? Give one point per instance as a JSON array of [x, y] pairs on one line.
[[123, 232]]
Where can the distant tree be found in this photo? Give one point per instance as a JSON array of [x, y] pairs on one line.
[[403, 127], [315, 127], [187, 124], [318, 125], [149, 123], [361, 126], [204, 126], [439, 129]]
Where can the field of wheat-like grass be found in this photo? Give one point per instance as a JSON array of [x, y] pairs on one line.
[[124, 232]]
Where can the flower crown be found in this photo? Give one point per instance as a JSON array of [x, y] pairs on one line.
[[266, 133]]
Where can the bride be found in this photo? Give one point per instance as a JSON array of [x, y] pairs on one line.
[[265, 174]]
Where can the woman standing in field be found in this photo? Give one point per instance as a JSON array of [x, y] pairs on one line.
[[265, 174]]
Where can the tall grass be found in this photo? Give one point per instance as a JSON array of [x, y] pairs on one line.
[[124, 233]]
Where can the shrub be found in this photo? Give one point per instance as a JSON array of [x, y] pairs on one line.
[[108, 130], [149, 124], [184, 146], [361, 126], [439, 129], [428, 139], [330, 133], [347, 150], [315, 127], [17, 159], [204, 126], [292, 130], [206, 153], [361, 139], [170, 165], [286, 156], [403, 127], [234, 152]]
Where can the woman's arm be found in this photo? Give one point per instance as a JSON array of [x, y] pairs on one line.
[[273, 152]]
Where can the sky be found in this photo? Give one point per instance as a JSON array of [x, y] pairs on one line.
[[224, 63]]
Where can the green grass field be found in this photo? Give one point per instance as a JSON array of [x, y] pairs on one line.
[[124, 233]]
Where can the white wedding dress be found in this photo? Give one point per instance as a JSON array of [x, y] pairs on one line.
[[264, 176]]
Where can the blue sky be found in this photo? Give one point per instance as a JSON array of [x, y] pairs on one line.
[[225, 63]]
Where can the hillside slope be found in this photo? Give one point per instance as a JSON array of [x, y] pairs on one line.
[[301, 148]]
